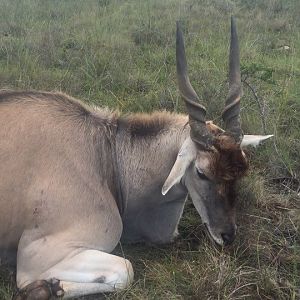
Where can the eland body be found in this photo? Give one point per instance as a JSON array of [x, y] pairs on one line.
[[76, 180]]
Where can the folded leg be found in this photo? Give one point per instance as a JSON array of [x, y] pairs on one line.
[[89, 272], [93, 270]]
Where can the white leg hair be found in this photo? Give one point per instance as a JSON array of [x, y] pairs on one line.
[[76, 289], [91, 272]]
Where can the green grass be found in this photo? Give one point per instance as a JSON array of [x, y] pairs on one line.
[[121, 54]]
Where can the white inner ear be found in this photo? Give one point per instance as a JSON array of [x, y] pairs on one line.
[[185, 156], [254, 140]]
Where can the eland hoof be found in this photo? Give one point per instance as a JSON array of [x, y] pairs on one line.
[[40, 290]]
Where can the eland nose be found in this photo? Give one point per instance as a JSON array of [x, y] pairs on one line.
[[228, 238]]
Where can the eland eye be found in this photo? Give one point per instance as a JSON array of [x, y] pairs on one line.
[[201, 174]]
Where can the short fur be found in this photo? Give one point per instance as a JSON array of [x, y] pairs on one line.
[[76, 178]]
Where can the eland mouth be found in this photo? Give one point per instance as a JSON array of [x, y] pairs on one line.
[[225, 240]]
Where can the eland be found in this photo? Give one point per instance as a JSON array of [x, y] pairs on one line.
[[76, 180]]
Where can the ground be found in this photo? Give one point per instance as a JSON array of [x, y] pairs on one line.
[[121, 54]]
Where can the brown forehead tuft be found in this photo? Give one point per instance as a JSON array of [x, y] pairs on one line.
[[229, 164], [213, 128]]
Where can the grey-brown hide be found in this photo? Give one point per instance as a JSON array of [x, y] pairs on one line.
[[74, 173], [56, 165], [147, 148]]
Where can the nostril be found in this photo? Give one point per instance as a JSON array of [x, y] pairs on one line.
[[228, 238]]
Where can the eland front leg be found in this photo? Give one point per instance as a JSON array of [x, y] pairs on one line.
[[88, 272]]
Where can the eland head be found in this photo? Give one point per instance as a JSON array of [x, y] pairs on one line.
[[212, 159]]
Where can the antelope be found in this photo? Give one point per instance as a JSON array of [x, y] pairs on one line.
[[75, 180]]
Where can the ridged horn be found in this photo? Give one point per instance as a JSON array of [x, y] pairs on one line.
[[231, 112], [197, 112]]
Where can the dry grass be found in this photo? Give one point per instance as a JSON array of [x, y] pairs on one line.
[[121, 54]]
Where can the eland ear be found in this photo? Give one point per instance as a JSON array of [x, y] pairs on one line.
[[185, 156], [253, 140]]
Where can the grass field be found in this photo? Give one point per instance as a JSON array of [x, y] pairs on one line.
[[121, 54]]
